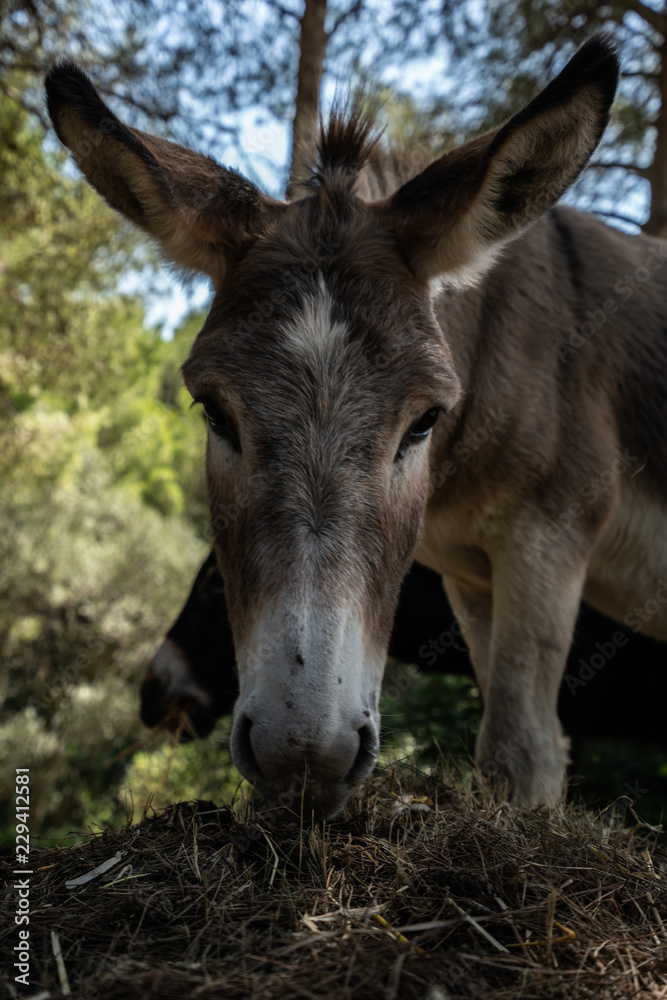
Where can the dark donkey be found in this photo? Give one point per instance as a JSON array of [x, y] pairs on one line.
[[339, 383]]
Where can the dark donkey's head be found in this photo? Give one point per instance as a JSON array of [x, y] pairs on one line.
[[322, 369]]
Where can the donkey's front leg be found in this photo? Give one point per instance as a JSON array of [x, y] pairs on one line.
[[535, 606]]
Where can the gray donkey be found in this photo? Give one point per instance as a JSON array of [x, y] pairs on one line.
[[444, 367]]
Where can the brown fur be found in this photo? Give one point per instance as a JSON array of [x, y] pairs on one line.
[[321, 355]]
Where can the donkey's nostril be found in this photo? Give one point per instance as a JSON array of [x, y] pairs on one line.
[[367, 755], [242, 751], [338, 757]]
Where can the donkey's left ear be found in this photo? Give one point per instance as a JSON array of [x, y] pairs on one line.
[[202, 215], [453, 218]]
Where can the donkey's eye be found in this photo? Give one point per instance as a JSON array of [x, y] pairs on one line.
[[419, 432], [221, 425], [423, 426]]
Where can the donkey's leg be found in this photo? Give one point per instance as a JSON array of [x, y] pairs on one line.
[[473, 606], [535, 607]]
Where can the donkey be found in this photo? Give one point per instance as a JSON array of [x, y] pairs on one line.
[[360, 341]]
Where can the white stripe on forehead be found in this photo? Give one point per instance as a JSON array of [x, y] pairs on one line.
[[312, 332]]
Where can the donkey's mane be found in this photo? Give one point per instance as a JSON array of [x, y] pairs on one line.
[[344, 143], [348, 145]]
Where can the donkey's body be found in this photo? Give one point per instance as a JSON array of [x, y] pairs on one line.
[[551, 480], [323, 366]]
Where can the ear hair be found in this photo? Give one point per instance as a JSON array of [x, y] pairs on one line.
[[454, 218], [201, 214]]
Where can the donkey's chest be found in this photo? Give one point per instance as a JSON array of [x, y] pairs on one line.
[[627, 573], [457, 543]]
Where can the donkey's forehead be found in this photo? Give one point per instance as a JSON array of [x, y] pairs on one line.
[[308, 293], [315, 338], [314, 333]]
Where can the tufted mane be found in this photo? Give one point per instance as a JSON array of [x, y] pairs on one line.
[[344, 143]]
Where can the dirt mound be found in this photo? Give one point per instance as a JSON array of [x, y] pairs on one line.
[[421, 890]]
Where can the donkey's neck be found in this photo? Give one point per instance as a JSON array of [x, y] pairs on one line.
[[387, 169]]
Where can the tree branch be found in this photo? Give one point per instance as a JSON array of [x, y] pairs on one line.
[[657, 21], [284, 11], [621, 218], [613, 165], [343, 16]]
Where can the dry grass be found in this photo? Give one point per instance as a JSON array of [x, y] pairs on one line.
[[422, 890]]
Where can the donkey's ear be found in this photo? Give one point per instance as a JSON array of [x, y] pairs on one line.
[[202, 215], [453, 218]]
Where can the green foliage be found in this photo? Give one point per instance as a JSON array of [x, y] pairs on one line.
[[195, 770], [88, 584], [102, 501], [423, 714], [65, 330], [618, 770]]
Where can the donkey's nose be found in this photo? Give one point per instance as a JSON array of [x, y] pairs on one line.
[[280, 759]]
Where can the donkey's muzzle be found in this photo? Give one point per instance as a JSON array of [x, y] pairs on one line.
[[304, 772]]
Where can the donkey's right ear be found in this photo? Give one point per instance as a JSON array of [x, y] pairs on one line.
[[202, 215]]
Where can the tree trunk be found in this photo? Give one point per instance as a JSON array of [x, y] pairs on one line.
[[312, 46], [657, 220]]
